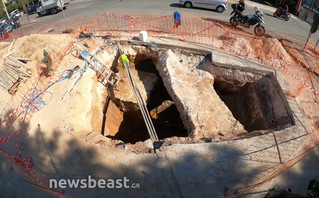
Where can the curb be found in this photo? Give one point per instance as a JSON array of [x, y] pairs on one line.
[[297, 59], [27, 23]]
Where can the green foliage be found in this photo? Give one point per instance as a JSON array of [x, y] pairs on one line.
[[30, 2], [1, 10], [18, 4], [11, 7], [15, 5]]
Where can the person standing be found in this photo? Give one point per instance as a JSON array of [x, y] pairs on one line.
[[240, 8]]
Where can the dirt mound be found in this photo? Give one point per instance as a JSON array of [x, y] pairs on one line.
[[32, 46], [3, 51], [264, 50]]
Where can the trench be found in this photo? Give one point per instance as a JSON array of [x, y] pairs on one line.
[[257, 105], [256, 100], [167, 121]]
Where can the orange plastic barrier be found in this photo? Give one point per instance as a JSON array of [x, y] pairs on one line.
[[301, 70]]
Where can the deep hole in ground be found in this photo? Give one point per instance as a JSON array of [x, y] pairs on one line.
[[257, 105], [254, 98], [165, 117]]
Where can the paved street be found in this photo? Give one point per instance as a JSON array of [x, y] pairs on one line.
[[294, 28]]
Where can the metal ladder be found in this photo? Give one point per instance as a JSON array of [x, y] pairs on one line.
[[108, 75]]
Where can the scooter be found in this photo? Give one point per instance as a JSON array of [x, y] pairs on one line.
[[14, 22], [279, 14], [247, 21]]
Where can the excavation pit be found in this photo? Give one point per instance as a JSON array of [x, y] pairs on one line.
[[258, 104], [192, 100], [165, 116]]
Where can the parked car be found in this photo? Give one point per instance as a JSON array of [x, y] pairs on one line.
[[218, 5], [32, 9], [51, 6]]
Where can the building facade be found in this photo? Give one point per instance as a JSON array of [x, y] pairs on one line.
[[307, 8]]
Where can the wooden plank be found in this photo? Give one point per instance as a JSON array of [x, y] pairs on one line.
[[13, 87], [9, 83], [24, 72], [22, 64], [11, 78], [9, 54], [11, 61], [4, 82], [12, 67], [23, 59], [5, 75], [9, 50], [3, 87], [16, 62], [157, 110], [18, 72]]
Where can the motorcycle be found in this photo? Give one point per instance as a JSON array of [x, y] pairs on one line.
[[279, 13], [255, 19], [14, 22]]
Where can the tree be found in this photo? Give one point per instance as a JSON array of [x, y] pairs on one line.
[[19, 4], [2, 12]]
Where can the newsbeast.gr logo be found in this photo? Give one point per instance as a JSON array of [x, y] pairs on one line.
[[92, 183]]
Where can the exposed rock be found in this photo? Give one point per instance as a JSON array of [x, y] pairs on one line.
[[113, 122], [124, 96], [254, 97], [203, 113]]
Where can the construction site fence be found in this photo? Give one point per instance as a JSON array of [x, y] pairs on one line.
[[300, 68]]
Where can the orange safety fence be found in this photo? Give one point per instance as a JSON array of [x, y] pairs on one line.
[[14, 125], [300, 69]]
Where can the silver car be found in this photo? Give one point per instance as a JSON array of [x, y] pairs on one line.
[[218, 5]]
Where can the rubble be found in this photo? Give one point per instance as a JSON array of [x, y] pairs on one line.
[[13, 71]]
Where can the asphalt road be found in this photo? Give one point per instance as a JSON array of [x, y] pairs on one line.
[[292, 29]]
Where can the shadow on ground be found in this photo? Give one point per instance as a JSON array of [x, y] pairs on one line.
[[189, 170], [264, 2], [178, 5], [176, 171]]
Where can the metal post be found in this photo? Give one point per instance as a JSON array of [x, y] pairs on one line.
[[5, 8], [307, 41], [66, 26], [25, 9]]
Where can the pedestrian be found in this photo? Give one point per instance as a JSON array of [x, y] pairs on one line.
[[283, 8], [177, 19]]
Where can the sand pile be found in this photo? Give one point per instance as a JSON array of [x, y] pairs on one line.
[[32, 46], [3, 51], [265, 50], [271, 51]]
